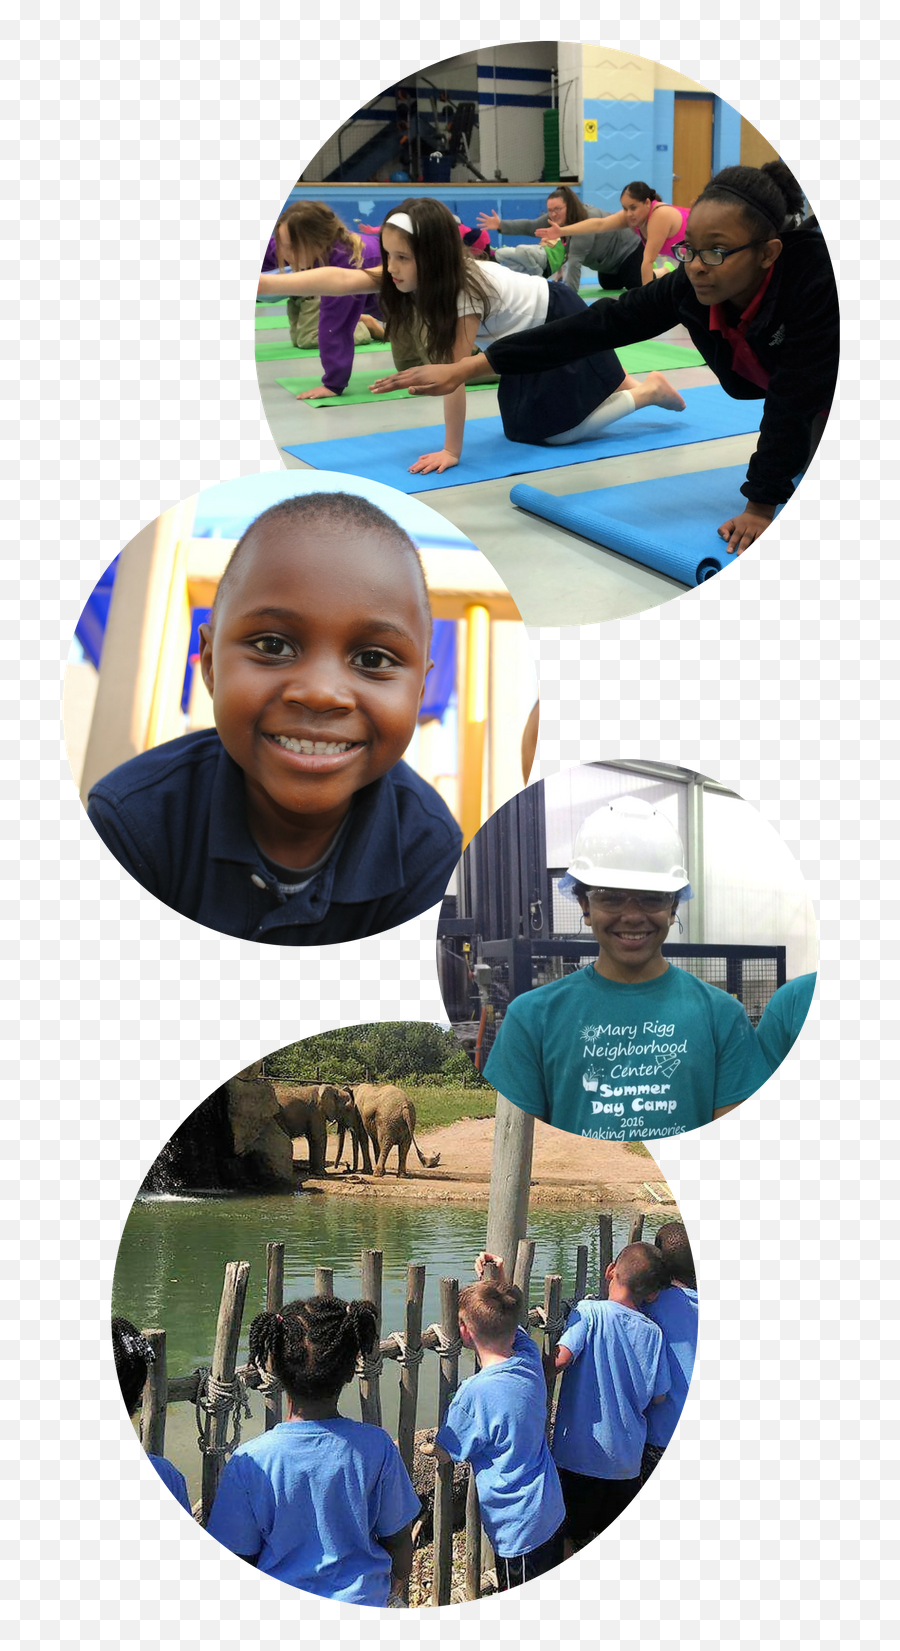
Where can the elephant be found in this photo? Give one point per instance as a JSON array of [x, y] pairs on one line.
[[338, 1107], [389, 1118], [300, 1114]]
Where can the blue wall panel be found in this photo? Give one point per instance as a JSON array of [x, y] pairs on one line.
[[623, 151], [726, 136], [372, 203], [663, 139]]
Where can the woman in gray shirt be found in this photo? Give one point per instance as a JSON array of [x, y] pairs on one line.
[[615, 254]]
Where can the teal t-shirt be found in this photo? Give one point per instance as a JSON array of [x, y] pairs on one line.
[[783, 1017], [626, 1063]]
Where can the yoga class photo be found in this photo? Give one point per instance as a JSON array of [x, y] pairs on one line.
[[604, 282]]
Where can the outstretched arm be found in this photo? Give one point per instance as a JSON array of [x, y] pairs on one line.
[[588, 226], [437, 380], [324, 282], [454, 406]]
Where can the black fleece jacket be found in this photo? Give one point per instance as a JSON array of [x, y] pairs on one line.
[[795, 336]]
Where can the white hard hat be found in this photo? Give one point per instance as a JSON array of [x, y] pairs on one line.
[[627, 844]]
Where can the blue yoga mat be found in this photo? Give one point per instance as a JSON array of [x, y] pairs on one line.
[[386, 455], [668, 524]]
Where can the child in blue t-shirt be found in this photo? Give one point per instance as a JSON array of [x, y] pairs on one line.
[[133, 1356], [675, 1310], [320, 1501], [295, 821], [614, 1368], [497, 1421]]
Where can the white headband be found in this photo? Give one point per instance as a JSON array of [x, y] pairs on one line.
[[402, 220]]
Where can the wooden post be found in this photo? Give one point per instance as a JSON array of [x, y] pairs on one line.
[[552, 1295], [324, 1285], [156, 1397], [473, 1541], [605, 1247], [581, 1272], [409, 1374], [274, 1304], [224, 1359], [507, 1220], [637, 1230], [369, 1387], [522, 1275], [448, 1381]]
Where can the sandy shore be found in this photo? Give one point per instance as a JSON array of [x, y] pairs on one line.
[[566, 1170]]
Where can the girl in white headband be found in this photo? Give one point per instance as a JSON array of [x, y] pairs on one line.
[[428, 280]]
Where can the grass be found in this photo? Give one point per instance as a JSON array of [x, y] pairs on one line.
[[436, 1108]]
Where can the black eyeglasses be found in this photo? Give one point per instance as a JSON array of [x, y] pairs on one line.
[[712, 256]]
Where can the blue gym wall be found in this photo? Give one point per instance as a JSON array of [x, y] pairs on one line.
[[634, 140]]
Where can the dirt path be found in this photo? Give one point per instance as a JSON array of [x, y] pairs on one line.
[[566, 1170]]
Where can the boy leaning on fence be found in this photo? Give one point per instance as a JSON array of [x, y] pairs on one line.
[[497, 1422], [614, 1368]]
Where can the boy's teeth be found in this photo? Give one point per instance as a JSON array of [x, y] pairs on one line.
[[318, 748]]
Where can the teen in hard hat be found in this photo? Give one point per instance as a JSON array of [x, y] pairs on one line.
[[628, 1048]]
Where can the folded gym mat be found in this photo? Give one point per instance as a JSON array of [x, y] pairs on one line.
[[284, 350], [357, 393], [385, 456], [668, 524]]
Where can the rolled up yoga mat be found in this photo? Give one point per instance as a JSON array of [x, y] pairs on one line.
[[669, 524]]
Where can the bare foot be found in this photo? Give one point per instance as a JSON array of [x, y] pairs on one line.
[[663, 394]]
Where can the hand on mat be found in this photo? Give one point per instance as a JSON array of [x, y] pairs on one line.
[[434, 461], [316, 394], [741, 531], [488, 220], [426, 381]]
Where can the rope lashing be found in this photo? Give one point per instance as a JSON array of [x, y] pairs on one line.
[[552, 1327], [409, 1358], [369, 1368], [447, 1347], [215, 1399]]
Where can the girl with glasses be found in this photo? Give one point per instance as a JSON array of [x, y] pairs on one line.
[[760, 306]]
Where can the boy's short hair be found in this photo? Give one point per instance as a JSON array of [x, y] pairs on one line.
[[491, 1310], [346, 510], [133, 1357], [674, 1246], [642, 1269]]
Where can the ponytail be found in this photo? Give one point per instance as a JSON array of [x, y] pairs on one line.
[[312, 1346], [133, 1357], [640, 192], [769, 196]]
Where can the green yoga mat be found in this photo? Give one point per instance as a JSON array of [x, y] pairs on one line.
[[356, 393], [285, 351], [591, 294], [269, 318], [656, 355]]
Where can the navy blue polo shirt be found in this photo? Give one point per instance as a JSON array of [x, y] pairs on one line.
[[176, 819]]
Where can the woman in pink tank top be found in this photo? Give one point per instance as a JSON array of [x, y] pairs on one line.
[[658, 225]]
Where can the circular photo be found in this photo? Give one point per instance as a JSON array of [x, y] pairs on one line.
[[291, 700], [628, 951], [421, 1359], [573, 298]]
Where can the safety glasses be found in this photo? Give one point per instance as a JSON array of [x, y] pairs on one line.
[[617, 899]]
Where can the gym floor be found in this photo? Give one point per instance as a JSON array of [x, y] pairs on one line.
[[578, 582]]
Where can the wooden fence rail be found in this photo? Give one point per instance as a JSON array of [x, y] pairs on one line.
[[219, 1394]]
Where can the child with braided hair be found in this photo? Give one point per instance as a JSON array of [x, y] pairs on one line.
[[320, 1501], [133, 1357]]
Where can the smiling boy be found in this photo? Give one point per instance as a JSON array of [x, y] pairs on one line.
[[294, 821], [628, 1048]]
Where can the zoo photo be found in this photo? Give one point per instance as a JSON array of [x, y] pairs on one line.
[[628, 950], [291, 700], [571, 297], [356, 1243]]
